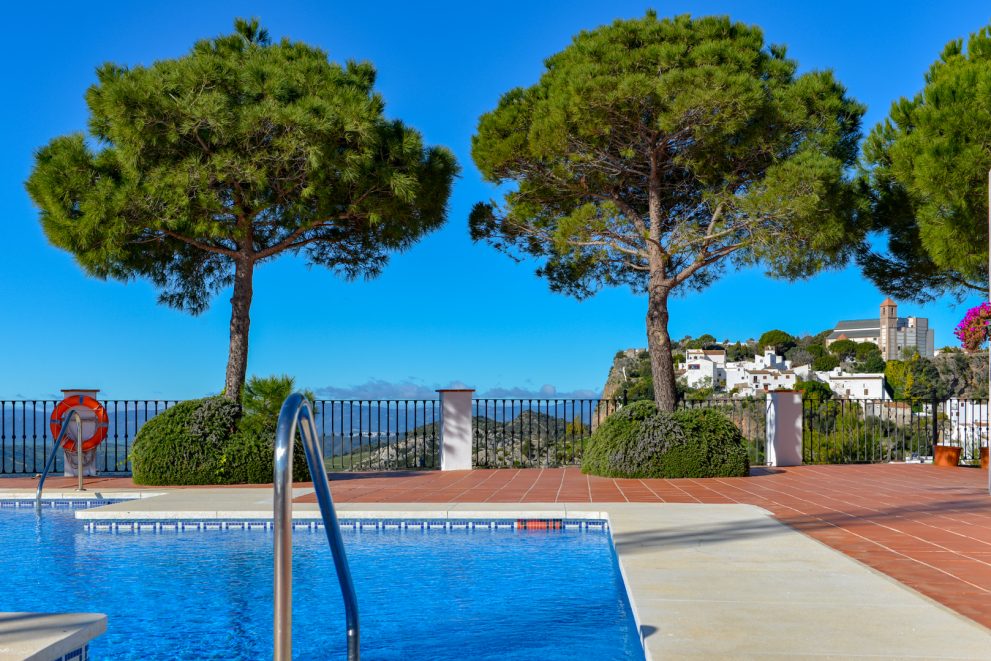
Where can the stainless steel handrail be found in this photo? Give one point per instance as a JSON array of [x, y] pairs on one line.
[[295, 407], [58, 443]]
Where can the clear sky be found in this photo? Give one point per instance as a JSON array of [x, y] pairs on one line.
[[440, 66]]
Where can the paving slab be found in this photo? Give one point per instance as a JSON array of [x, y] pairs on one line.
[[729, 581]]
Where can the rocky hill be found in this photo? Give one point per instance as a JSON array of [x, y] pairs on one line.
[[963, 375]]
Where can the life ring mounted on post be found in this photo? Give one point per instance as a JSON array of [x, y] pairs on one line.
[[85, 401]]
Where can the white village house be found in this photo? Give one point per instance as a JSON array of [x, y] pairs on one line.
[[768, 372]]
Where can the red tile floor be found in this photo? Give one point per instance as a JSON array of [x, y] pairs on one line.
[[927, 527]]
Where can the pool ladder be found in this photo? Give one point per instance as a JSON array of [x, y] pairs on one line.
[[58, 444], [295, 410]]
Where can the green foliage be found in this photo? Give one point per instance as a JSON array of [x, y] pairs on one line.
[[776, 339], [712, 446], [209, 441], [843, 349], [638, 442], [874, 364], [667, 149], [816, 350], [896, 374], [615, 437], [198, 168], [263, 396], [926, 382], [701, 342], [926, 169], [825, 363], [739, 352], [814, 390], [867, 349], [917, 379], [183, 444]]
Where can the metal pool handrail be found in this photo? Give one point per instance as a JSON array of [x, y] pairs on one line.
[[58, 443], [295, 407]]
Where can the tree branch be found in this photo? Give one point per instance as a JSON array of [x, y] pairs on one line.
[[199, 244]]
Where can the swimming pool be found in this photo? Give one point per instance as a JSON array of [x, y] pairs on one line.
[[423, 594]]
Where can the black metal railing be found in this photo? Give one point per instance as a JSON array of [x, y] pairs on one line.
[[26, 439], [839, 431], [375, 434], [518, 433], [403, 434], [749, 415]]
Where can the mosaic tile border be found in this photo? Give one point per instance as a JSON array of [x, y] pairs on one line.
[[80, 654], [146, 526], [60, 503]]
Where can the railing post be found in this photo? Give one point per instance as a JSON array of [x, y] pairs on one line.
[[935, 425], [784, 428], [455, 429]]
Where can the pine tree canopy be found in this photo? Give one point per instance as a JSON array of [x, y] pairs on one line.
[[240, 150], [926, 170], [652, 153], [665, 147]]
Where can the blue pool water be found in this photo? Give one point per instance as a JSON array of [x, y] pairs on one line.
[[434, 595]]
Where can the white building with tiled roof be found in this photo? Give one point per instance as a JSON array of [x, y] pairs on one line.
[[767, 372], [891, 333], [854, 386]]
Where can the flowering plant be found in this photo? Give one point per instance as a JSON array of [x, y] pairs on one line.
[[973, 330]]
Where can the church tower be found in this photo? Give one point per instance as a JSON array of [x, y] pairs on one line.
[[889, 330]]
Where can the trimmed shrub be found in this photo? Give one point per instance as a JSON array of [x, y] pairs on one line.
[[638, 441], [712, 446], [183, 444], [209, 441], [609, 443]]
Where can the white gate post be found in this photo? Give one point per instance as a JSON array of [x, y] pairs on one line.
[[455, 429], [784, 428]]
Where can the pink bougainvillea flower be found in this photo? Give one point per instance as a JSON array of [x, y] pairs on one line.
[[973, 330]]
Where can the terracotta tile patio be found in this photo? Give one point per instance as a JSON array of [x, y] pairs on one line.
[[928, 527]]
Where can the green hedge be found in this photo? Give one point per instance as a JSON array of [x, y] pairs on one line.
[[209, 441], [638, 441]]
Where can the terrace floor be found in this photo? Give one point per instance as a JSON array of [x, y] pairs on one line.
[[927, 527]]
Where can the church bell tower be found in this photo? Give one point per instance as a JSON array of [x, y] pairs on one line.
[[889, 330]]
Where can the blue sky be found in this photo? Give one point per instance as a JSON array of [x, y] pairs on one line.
[[440, 66]]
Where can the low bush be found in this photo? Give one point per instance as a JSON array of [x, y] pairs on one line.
[[215, 441], [638, 441], [608, 446], [183, 445], [712, 447]]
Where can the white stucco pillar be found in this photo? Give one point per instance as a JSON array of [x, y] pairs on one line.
[[455, 429], [784, 428], [89, 428]]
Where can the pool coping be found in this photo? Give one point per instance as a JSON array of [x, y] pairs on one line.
[[702, 580], [48, 636]]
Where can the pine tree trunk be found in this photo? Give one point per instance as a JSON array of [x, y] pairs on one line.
[[237, 358], [659, 346]]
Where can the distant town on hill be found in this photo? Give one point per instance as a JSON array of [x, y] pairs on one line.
[[778, 359]]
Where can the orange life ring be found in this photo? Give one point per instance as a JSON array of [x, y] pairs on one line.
[[102, 422]]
